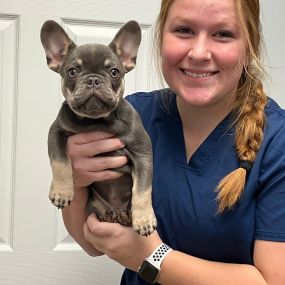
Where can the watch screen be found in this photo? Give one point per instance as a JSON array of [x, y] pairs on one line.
[[148, 272]]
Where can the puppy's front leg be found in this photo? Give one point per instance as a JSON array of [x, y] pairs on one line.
[[62, 187], [143, 218]]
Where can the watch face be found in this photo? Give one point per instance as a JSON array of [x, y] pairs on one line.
[[148, 272]]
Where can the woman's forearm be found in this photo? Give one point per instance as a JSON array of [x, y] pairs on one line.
[[182, 269], [74, 217]]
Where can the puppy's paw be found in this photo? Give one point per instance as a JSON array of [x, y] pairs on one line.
[[61, 195], [144, 222]]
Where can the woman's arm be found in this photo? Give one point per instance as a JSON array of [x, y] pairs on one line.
[[120, 243], [74, 218], [269, 269], [269, 258]]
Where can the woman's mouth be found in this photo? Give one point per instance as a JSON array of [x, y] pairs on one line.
[[198, 74]]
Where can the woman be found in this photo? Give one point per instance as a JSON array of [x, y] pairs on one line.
[[219, 179]]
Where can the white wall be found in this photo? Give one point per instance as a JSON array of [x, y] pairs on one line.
[[273, 21]]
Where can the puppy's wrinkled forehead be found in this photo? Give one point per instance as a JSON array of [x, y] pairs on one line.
[[94, 57]]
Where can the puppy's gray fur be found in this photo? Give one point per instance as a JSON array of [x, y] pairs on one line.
[[93, 87]]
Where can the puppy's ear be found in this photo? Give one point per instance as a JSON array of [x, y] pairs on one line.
[[126, 44], [56, 44]]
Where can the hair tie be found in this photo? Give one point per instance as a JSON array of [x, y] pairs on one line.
[[246, 164]]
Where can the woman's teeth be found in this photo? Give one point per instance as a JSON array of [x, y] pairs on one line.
[[197, 75]]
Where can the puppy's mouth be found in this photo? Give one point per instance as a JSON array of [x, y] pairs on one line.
[[93, 104], [107, 101]]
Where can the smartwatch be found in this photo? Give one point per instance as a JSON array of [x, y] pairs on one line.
[[150, 268]]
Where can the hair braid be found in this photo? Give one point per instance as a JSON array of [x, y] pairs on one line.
[[248, 139]]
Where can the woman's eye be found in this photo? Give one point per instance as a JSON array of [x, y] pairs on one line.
[[114, 72], [72, 72], [224, 34], [183, 30]]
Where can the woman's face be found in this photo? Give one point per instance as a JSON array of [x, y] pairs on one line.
[[203, 51]]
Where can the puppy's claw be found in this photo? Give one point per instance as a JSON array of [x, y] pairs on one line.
[[61, 196], [144, 224]]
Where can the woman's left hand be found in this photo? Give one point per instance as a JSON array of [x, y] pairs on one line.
[[120, 243]]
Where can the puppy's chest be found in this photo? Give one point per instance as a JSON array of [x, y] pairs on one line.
[[72, 123]]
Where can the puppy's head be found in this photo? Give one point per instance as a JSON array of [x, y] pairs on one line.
[[92, 74]]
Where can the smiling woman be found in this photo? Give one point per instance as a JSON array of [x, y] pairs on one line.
[[203, 53], [218, 158], [211, 59]]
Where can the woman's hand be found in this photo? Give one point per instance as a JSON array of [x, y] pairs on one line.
[[87, 168], [120, 243], [82, 148]]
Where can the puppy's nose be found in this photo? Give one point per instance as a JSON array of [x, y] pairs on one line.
[[93, 82]]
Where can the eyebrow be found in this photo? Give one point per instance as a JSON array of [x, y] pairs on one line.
[[223, 22]]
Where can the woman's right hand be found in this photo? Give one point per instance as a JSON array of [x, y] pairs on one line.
[[81, 148]]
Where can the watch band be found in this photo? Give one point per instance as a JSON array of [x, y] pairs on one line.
[[158, 255], [150, 268]]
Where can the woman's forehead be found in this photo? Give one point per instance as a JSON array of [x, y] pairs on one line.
[[216, 8]]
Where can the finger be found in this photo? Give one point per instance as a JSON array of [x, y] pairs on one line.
[[93, 148], [90, 237], [102, 163], [93, 164], [84, 138], [89, 177], [106, 145], [92, 222], [94, 231], [88, 170], [105, 175], [100, 229]]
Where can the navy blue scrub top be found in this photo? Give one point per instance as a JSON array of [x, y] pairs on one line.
[[184, 196]]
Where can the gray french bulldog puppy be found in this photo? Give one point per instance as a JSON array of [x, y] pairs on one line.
[[93, 87]]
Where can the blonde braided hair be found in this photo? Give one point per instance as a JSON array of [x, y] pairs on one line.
[[249, 103], [248, 139]]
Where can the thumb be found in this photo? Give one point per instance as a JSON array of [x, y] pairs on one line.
[[92, 222], [101, 229]]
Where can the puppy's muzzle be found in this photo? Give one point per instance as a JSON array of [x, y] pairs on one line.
[[93, 82]]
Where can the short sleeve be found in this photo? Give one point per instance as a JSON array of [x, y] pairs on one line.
[[270, 207]]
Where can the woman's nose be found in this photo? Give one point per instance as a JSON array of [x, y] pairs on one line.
[[200, 48]]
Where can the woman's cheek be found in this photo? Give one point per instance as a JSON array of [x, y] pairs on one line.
[[173, 49], [231, 58]]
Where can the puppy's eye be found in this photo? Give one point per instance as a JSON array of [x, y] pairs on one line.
[[115, 73], [72, 72]]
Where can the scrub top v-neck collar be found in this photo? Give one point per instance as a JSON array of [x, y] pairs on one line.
[[207, 150]]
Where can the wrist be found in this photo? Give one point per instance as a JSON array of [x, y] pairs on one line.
[[151, 266], [166, 266]]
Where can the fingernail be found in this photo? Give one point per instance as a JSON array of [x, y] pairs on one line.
[[92, 216]]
